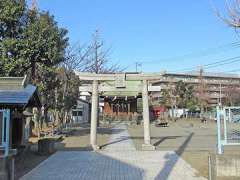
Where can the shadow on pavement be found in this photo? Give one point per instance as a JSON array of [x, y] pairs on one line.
[[117, 141], [172, 160], [165, 138], [86, 131]]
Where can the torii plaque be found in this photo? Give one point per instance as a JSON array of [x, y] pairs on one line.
[[120, 86]]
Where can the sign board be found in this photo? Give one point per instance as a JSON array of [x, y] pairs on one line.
[[132, 88], [120, 80]]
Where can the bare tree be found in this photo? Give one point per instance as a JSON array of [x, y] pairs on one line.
[[66, 93], [76, 57], [98, 60], [86, 58], [170, 97], [233, 13], [232, 95], [93, 57], [173, 97]]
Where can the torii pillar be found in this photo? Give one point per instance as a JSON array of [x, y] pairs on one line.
[[146, 121], [94, 116]]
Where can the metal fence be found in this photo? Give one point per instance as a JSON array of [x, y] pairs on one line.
[[4, 131], [228, 127]]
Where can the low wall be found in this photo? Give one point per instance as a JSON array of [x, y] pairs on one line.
[[225, 166]]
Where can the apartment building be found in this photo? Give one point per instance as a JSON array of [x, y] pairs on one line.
[[216, 85]]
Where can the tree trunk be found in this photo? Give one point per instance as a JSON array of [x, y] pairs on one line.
[[201, 111], [172, 109], [33, 71], [44, 110]]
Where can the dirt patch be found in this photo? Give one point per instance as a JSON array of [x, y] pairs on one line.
[[198, 160], [26, 161], [203, 136], [79, 138]]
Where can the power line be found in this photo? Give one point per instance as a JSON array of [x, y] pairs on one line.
[[214, 64], [237, 60], [206, 52], [222, 61], [203, 53], [234, 70]]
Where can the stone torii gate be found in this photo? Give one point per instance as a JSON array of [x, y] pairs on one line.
[[120, 86]]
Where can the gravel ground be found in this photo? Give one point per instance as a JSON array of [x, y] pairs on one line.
[[192, 140]]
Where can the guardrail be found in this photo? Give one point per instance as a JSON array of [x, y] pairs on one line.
[[5, 125]]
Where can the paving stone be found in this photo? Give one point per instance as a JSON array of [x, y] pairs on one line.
[[118, 161]]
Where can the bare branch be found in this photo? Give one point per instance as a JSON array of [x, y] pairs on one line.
[[90, 58], [233, 13], [99, 57]]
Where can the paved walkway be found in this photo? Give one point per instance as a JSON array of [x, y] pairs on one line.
[[118, 161], [119, 140]]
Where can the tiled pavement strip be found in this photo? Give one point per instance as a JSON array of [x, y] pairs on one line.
[[118, 161]]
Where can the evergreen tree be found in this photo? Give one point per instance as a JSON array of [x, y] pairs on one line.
[[29, 40]]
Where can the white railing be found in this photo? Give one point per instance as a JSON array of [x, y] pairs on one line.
[[228, 127]]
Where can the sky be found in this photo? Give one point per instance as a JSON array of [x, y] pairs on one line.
[[166, 35]]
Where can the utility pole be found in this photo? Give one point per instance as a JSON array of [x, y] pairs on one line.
[[138, 65], [97, 45], [34, 5], [202, 92], [220, 94]]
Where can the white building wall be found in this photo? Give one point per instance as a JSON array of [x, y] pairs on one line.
[[81, 113]]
